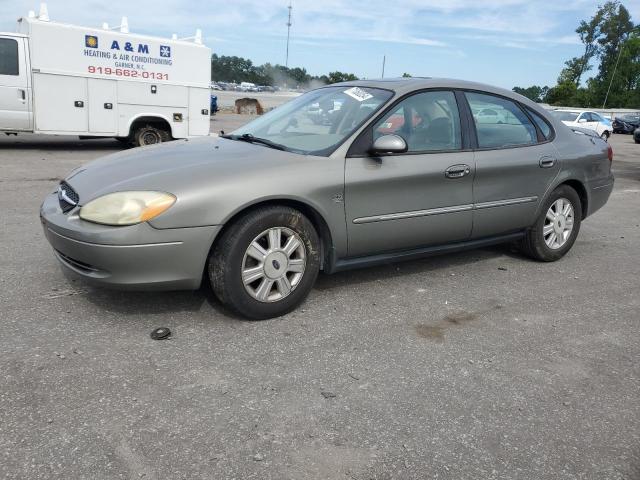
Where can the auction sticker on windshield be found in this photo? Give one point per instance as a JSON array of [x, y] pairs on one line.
[[359, 94]]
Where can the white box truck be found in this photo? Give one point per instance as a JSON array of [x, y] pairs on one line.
[[96, 82]]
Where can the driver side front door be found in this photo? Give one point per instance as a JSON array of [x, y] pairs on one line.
[[420, 198], [15, 95]]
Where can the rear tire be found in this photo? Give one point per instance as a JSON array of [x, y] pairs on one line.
[[539, 242], [150, 135], [265, 263]]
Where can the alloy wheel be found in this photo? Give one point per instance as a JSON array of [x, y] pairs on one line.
[[558, 224], [273, 264]]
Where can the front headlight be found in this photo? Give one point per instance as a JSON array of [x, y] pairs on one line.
[[126, 208]]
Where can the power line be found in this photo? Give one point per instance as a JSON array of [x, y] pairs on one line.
[[614, 74]]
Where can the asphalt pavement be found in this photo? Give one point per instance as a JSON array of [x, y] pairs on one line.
[[475, 365]]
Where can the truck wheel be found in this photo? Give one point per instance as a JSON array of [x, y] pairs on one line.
[[266, 263], [556, 228], [150, 135]]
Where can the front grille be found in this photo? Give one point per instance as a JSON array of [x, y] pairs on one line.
[[67, 197]]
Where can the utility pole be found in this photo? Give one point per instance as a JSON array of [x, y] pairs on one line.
[[286, 63], [384, 61]]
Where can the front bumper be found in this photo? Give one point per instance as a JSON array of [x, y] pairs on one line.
[[133, 257]]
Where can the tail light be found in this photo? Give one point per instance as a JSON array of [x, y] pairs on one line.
[[610, 151]]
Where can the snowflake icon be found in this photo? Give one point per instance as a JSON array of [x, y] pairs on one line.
[[165, 51]]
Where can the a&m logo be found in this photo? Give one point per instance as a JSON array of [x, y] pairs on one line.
[[165, 51], [91, 41]]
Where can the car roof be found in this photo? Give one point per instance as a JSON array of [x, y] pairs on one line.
[[406, 85]]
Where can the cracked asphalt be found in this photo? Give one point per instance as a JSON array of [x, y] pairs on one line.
[[476, 365]]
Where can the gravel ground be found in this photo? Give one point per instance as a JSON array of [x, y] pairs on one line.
[[477, 365]]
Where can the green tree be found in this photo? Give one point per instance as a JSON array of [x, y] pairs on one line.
[[238, 69], [611, 41], [616, 28], [573, 70], [406, 75], [564, 94], [336, 77], [588, 32], [535, 92]]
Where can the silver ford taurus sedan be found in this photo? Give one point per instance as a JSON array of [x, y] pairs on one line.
[[349, 175]]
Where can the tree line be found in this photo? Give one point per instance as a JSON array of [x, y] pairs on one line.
[[237, 69], [612, 43]]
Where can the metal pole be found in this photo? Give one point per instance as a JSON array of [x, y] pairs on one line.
[[286, 63], [613, 75], [384, 61]]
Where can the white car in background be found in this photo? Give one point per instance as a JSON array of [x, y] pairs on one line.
[[586, 119]]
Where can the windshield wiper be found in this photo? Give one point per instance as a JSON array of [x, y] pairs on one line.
[[247, 137]]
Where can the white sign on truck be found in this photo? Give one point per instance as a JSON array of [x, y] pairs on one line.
[[68, 80]]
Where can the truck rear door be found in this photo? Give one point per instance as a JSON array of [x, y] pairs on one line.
[[60, 103], [199, 106], [15, 98], [103, 114]]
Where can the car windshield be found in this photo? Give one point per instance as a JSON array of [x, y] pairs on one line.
[[630, 118], [317, 122], [566, 116]]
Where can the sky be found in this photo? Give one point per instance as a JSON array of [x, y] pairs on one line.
[[501, 42]]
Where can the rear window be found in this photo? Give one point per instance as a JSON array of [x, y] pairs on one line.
[[509, 127], [8, 57], [541, 123]]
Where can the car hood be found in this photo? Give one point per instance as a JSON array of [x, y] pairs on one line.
[[175, 167]]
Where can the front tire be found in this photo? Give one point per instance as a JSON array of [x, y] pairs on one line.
[[556, 228], [266, 263], [605, 136]]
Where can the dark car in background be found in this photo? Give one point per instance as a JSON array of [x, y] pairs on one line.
[[636, 135], [626, 123]]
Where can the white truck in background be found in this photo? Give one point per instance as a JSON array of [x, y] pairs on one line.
[[60, 79]]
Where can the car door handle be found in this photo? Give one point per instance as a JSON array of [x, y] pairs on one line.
[[547, 162], [22, 94], [457, 171]]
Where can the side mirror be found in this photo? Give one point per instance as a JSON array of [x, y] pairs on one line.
[[582, 120], [389, 144]]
